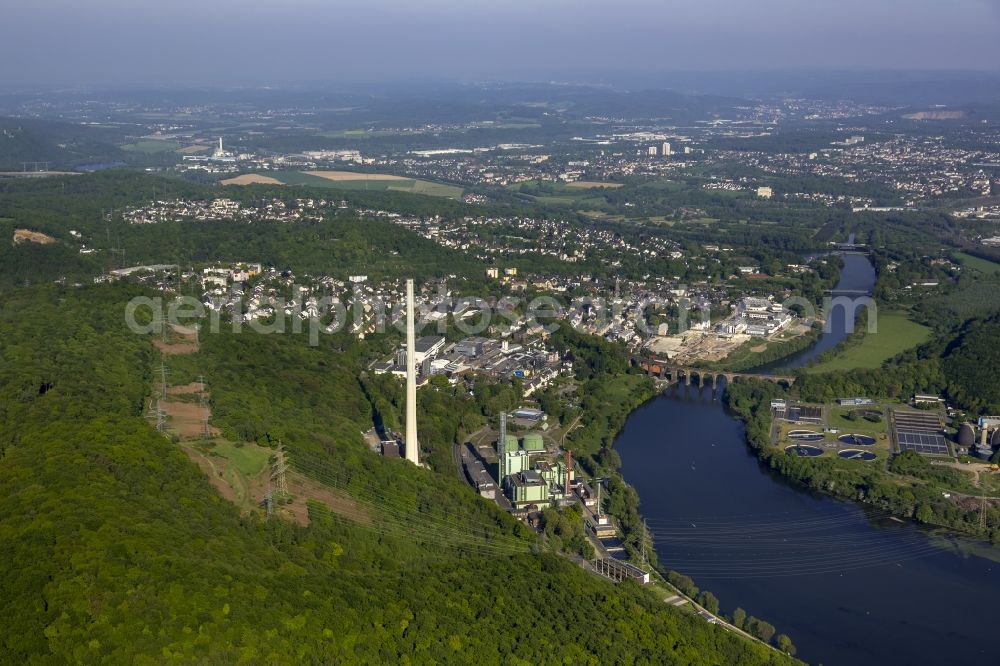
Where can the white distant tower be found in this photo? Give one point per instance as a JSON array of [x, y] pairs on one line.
[[412, 448], [667, 151]]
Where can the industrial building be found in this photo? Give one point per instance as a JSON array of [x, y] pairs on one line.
[[981, 439], [528, 475], [528, 487], [855, 402], [795, 413], [501, 359], [756, 316], [618, 571], [477, 474], [427, 347], [533, 442], [220, 154], [601, 526]]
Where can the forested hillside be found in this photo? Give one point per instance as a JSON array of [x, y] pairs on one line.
[[63, 145], [971, 366], [115, 548]]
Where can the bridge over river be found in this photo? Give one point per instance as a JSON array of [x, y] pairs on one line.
[[668, 371]]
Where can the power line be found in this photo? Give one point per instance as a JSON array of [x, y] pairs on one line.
[[157, 415], [278, 470], [420, 523]]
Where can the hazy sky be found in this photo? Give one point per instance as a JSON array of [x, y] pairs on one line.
[[255, 41]]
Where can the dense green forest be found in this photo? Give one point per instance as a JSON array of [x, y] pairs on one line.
[[970, 364], [63, 145], [116, 548]]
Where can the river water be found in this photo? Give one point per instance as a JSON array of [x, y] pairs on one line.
[[850, 586], [857, 275]]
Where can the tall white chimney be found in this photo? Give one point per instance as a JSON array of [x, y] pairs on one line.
[[412, 448]]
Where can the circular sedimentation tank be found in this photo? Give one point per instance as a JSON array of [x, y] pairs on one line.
[[857, 440], [804, 450], [857, 454], [806, 435]]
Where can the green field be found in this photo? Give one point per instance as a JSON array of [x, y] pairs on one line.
[[859, 426], [411, 185], [151, 146], [249, 459], [977, 263], [896, 333], [560, 194], [357, 134], [557, 201]]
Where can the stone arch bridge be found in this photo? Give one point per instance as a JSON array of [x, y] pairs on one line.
[[670, 372]]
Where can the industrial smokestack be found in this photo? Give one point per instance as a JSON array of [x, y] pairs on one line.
[[569, 474], [412, 448]]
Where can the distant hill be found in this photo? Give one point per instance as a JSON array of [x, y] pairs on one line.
[[63, 145]]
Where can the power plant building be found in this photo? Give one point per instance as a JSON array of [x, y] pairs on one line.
[[528, 487], [517, 461], [527, 475], [533, 442]]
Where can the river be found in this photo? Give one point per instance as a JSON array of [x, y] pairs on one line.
[[848, 585], [857, 275]]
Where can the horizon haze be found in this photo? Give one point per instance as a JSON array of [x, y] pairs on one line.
[[113, 42]]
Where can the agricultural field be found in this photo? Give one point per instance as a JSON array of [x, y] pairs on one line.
[[357, 134], [896, 333], [251, 179], [579, 194], [151, 146], [592, 184], [349, 180], [192, 149], [979, 264]]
